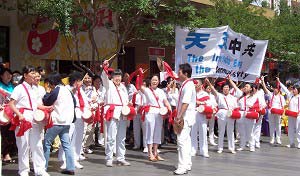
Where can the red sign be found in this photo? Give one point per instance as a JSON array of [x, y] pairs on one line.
[[153, 51]]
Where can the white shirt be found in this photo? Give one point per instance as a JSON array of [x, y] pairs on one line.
[[276, 101], [202, 94], [40, 92], [246, 102], [63, 113], [85, 99], [113, 97], [228, 102], [155, 99], [20, 95], [130, 89], [172, 96], [294, 104], [261, 98], [187, 94], [213, 100]]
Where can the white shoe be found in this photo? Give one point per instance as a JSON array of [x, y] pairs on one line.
[[78, 165], [213, 143], [158, 151], [206, 155], [240, 149], [145, 150], [219, 151], [298, 146], [216, 137], [252, 149], [109, 163], [180, 171], [272, 141], [193, 154], [88, 151], [257, 145], [43, 174], [233, 152], [278, 141], [123, 163], [81, 158], [189, 168], [291, 146], [236, 141], [63, 166]]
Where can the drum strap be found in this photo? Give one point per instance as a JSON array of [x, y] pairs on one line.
[[28, 97]]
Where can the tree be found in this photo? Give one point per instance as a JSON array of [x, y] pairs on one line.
[[153, 20]]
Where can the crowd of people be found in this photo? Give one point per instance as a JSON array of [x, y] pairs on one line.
[[49, 114]]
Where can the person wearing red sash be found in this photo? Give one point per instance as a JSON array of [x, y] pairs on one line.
[[259, 93], [98, 95], [276, 108], [226, 103], [201, 123], [248, 104], [155, 100], [294, 121], [211, 121], [24, 103], [116, 123], [186, 106]]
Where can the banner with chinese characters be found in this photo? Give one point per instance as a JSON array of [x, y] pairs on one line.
[[217, 52]]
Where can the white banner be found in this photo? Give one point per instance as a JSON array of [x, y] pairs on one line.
[[217, 52]]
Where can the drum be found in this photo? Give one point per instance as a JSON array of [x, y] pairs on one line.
[[39, 115], [252, 115], [235, 114], [87, 115], [291, 113], [263, 111], [163, 111], [205, 109], [4, 119], [125, 110], [277, 111]]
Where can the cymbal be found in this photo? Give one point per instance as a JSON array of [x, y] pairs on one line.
[[160, 64]]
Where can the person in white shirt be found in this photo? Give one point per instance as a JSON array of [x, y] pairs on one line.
[[200, 127], [211, 121], [23, 102], [259, 93], [276, 107], [186, 115], [155, 100], [248, 103], [116, 123], [294, 121], [226, 102], [172, 95], [62, 116]]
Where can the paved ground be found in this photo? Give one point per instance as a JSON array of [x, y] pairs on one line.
[[267, 161]]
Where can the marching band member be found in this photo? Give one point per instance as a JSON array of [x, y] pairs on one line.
[[62, 116], [293, 118], [226, 103], [138, 100], [155, 99], [185, 118], [201, 122], [259, 93], [116, 123], [99, 95], [24, 103], [211, 121], [276, 106], [172, 95], [249, 105]]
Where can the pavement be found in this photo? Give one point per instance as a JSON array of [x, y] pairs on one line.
[[267, 161]]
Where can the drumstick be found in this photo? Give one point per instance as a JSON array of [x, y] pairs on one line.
[[144, 71], [111, 57]]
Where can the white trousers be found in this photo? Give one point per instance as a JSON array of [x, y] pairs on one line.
[[31, 142], [275, 124], [184, 147], [241, 128], [138, 125], [211, 127], [249, 131], [89, 135], [153, 124], [116, 135], [257, 130], [229, 124], [199, 129], [294, 129]]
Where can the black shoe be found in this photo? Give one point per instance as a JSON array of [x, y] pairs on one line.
[[68, 172]]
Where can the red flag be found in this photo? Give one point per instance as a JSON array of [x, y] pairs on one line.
[[169, 71], [24, 126]]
